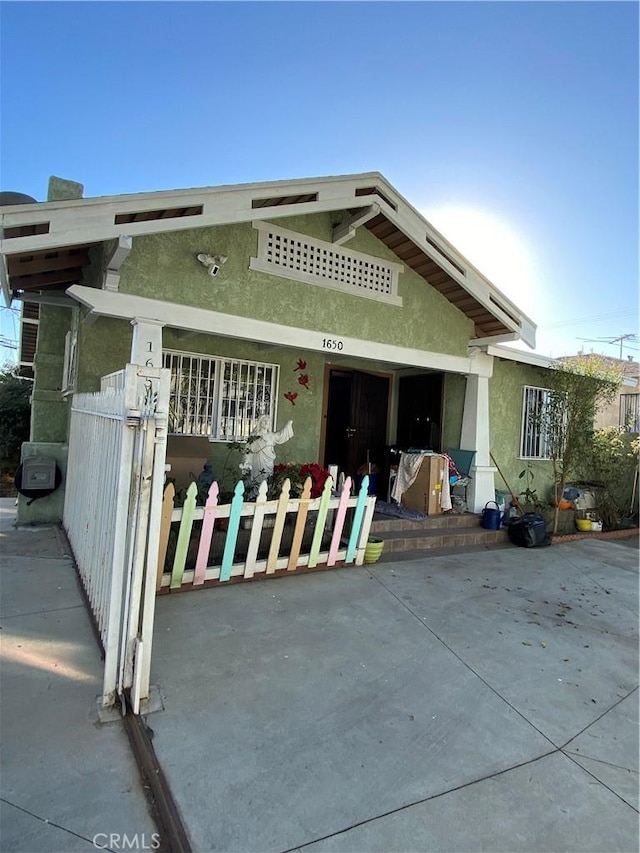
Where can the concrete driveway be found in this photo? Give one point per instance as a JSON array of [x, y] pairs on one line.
[[486, 701]]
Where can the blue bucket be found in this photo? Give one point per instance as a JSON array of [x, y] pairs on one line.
[[491, 518]]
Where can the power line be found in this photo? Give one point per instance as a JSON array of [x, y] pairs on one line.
[[613, 340], [592, 319]]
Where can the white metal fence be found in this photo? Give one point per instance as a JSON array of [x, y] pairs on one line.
[[113, 497]]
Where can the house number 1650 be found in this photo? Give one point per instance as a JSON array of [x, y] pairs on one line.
[[332, 343]]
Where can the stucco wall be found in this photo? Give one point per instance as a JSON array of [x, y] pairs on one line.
[[165, 267], [49, 410], [505, 418], [103, 347]]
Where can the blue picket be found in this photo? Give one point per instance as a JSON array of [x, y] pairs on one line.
[[232, 532], [363, 494]]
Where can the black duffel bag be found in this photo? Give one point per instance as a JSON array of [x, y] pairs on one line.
[[530, 531]]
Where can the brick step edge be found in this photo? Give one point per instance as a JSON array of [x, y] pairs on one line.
[[626, 533], [423, 540], [432, 522]]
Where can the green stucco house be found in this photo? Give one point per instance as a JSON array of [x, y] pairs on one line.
[[329, 301]]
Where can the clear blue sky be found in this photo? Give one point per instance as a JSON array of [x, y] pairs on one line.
[[512, 126]]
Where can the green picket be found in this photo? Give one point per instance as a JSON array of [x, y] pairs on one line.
[[322, 517], [184, 536]]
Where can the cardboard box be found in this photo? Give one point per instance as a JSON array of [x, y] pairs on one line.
[[425, 494]]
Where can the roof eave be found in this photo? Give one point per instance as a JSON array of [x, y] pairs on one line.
[[228, 204]]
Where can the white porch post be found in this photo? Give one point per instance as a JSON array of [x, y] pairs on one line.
[[146, 346], [475, 433]]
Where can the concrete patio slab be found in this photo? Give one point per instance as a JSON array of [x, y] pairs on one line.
[[609, 749], [55, 579], [24, 832], [329, 694], [548, 805], [299, 708], [554, 640]]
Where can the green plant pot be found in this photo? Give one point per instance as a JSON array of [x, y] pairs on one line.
[[373, 549]]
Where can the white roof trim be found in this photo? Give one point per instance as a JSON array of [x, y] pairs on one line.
[[79, 221], [522, 357], [125, 306]]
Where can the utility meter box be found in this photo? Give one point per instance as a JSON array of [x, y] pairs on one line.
[[39, 473]]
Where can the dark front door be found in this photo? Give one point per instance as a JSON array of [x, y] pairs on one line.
[[356, 430], [420, 412]]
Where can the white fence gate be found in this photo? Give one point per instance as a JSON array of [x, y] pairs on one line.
[[113, 499]]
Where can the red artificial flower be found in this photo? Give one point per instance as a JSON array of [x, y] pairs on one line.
[[303, 379], [318, 477], [291, 397], [302, 365]]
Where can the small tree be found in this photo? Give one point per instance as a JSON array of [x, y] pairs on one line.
[[15, 412], [578, 388]]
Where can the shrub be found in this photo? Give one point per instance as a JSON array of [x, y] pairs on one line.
[[611, 467], [15, 413]]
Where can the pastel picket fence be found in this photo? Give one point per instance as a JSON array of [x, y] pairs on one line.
[[244, 539]]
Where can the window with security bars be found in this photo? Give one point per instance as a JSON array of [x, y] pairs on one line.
[[630, 412], [219, 397], [303, 258], [534, 440]]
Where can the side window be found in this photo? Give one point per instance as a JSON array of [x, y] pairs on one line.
[[534, 443]]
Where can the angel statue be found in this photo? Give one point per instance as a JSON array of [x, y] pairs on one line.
[[260, 455]]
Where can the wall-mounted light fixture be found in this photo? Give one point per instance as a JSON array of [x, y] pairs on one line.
[[213, 263]]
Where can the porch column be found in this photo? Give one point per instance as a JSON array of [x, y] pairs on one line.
[[475, 434], [146, 346]]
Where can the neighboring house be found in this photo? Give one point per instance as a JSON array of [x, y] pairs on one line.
[[330, 301], [624, 410]]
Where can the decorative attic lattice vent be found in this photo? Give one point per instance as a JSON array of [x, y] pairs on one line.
[[302, 258]]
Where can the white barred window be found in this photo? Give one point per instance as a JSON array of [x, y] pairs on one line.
[[219, 397], [630, 412], [534, 440], [290, 254]]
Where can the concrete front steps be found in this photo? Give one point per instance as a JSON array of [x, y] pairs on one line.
[[437, 532]]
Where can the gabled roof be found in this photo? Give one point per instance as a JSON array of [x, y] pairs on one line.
[[45, 246]]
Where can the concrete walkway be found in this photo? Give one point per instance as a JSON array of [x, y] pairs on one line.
[[67, 782], [486, 701]]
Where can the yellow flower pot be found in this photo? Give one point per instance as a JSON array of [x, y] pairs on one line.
[[373, 549]]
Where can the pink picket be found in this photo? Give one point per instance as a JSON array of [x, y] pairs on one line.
[[206, 534], [339, 522]]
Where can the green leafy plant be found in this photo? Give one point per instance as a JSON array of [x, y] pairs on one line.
[[577, 390], [610, 468], [15, 413], [530, 494]]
